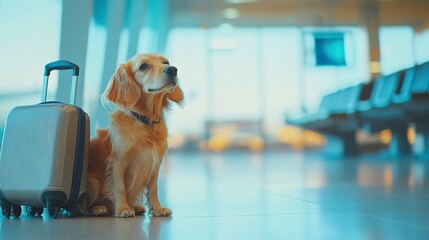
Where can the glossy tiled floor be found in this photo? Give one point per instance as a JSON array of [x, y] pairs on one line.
[[273, 195]]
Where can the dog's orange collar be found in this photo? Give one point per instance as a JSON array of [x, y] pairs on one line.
[[143, 119]]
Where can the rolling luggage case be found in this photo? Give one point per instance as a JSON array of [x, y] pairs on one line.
[[44, 154]]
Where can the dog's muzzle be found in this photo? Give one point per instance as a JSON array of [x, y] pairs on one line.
[[170, 71], [170, 80]]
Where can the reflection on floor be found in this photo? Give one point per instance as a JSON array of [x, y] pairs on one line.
[[272, 195]]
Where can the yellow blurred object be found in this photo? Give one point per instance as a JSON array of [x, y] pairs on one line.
[[218, 143], [411, 135], [298, 138], [289, 134], [375, 67], [313, 138], [387, 176], [256, 144], [292, 136], [385, 136]]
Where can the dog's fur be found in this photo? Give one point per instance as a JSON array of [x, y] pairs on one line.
[[125, 158]]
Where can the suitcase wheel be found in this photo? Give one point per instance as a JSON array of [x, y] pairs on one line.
[[53, 210], [16, 210], [39, 211], [32, 211], [73, 212], [6, 208]]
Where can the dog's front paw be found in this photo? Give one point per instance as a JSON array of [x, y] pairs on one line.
[[139, 209], [99, 211], [161, 212], [124, 212]]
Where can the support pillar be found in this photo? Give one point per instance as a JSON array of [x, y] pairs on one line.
[[371, 19], [159, 22], [115, 23], [135, 23], [76, 16]]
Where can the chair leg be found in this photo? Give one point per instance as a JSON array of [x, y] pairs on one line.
[[343, 144], [350, 144], [425, 153], [399, 144], [421, 145]]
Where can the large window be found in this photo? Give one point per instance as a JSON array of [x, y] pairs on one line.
[[229, 74], [421, 48], [397, 48], [29, 39], [251, 74]]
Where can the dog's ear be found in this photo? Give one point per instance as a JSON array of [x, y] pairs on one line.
[[176, 96], [123, 90]]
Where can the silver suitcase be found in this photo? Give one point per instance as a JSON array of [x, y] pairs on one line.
[[44, 154]]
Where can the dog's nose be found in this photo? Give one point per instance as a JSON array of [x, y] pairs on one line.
[[170, 71]]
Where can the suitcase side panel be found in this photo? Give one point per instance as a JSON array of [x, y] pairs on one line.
[[78, 180], [37, 150], [85, 157]]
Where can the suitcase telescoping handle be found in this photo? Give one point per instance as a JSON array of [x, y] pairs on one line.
[[61, 65]]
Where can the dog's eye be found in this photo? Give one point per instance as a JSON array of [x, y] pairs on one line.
[[166, 62], [144, 66]]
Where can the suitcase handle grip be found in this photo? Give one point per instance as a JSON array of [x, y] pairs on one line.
[[61, 65]]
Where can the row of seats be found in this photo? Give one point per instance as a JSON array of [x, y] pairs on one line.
[[390, 102]]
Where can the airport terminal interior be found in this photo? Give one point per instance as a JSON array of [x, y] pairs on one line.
[[302, 119]]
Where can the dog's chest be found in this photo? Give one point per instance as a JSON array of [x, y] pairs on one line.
[[152, 136], [141, 167]]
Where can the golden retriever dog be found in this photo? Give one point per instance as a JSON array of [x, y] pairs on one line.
[[125, 158]]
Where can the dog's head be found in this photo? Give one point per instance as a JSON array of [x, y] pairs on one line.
[[145, 76]]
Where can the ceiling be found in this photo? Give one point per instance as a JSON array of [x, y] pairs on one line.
[[210, 13]]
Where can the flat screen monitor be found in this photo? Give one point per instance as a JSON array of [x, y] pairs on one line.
[[329, 49]]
